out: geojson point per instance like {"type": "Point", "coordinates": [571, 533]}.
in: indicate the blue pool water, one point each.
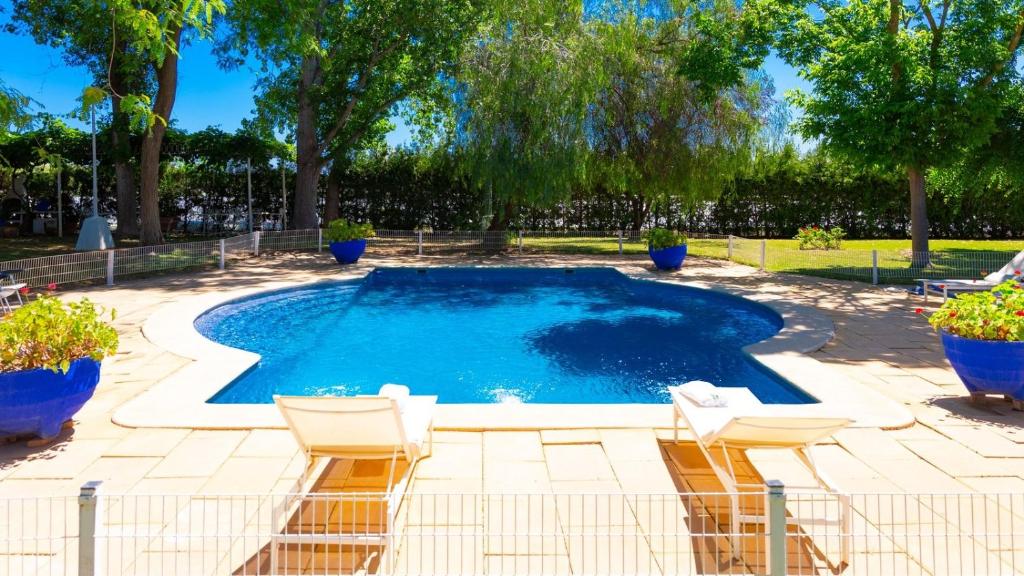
{"type": "Point", "coordinates": [588, 335]}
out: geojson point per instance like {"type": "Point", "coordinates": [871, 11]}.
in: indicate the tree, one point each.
{"type": "Point", "coordinates": [661, 129]}
{"type": "Point", "coordinates": [910, 85]}
{"type": "Point", "coordinates": [83, 32]}
{"type": "Point", "coordinates": [520, 104]}
{"type": "Point", "coordinates": [332, 70]}
{"type": "Point", "coordinates": [153, 31]}
{"type": "Point", "coordinates": [14, 112]}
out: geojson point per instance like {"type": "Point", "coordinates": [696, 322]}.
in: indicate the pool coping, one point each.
{"type": "Point", "coordinates": [179, 400]}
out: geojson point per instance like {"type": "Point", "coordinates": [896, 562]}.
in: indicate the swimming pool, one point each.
{"type": "Point", "coordinates": [486, 335]}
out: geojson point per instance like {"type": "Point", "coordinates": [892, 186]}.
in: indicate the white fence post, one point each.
{"type": "Point", "coordinates": [729, 253]}
{"type": "Point", "coordinates": [764, 254]}
{"type": "Point", "coordinates": [620, 242]}
{"type": "Point", "coordinates": [874, 267]}
{"type": "Point", "coordinates": [88, 524]}
{"type": "Point", "coordinates": [221, 264]}
{"type": "Point", "coordinates": [319, 239]}
{"type": "Point", "coordinates": [419, 242]}
{"type": "Point", "coordinates": [256, 243]}
{"type": "Point", "coordinates": [776, 528]}
{"type": "Point", "coordinates": [110, 268]}
{"type": "Point", "coordinates": [520, 242]}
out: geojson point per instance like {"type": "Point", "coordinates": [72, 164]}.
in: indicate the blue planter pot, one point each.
{"type": "Point", "coordinates": [670, 258]}
{"type": "Point", "coordinates": [987, 366]}
{"type": "Point", "coordinates": [348, 252]}
{"type": "Point", "coordinates": [40, 401]}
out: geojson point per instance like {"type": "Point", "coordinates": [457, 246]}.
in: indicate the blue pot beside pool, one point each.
{"type": "Point", "coordinates": [40, 401]}
{"type": "Point", "coordinates": [987, 366]}
{"type": "Point", "coordinates": [348, 252]}
{"type": "Point", "coordinates": [670, 258]}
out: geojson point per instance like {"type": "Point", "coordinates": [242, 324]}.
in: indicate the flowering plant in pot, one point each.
{"type": "Point", "coordinates": [667, 248]}
{"type": "Point", "coordinates": [983, 338]}
{"type": "Point", "coordinates": [50, 354]}
{"type": "Point", "coordinates": [347, 240]}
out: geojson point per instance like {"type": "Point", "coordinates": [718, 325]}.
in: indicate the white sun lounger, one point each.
{"type": "Point", "coordinates": [389, 426]}
{"type": "Point", "coordinates": [953, 286]}
{"type": "Point", "coordinates": [745, 423]}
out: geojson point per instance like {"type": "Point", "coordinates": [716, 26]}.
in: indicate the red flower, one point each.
{"type": "Point", "coordinates": [1016, 272]}
{"type": "Point", "coordinates": [942, 286]}
{"type": "Point", "coordinates": [918, 310]}
{"type": "Point", "coordinates": [23, 290]}
{"type": "Point", "coordinates": [952, 314]}
{"type": "Point", "coordinates": [51, 286]}
{"type": "Point", "coordinates": [1019, 312]}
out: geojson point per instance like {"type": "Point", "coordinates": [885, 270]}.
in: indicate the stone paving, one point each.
{"type": "Point", "coordinates": [955, 447]}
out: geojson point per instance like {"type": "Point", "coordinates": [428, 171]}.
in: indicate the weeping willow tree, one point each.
{"type": "Point", "coordinates": [556, 96]}
{"type": "Point", "coordinates": [658, 132]}
{"type": "Point", "coordinates": [520, 103]}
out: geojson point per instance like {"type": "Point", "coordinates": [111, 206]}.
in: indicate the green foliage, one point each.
{"type": "Point", "coordinates": [817, 238]}
{"type": "Point", "coordinates": [994, 315]}
{"type": "Point", "coordinates": [555, 97]}
{"type": "Point", "coordinates": [333, 72]}
{"type": "Point", "coordinates": [520, 104]}
{"type": "Point", "coordinates": [659, 238]}
{"type": "Point", "coordinates": [47, 333]}
{"type": "Point", "coordinates": [14, 113]}
{"type": "Point", "coordinates": [341, 230]}
{"type": "Point", "coordinates": [902, 84]}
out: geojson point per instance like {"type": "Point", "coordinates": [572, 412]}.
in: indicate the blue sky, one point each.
{"type": "Point", "coordinates": [207, 95]}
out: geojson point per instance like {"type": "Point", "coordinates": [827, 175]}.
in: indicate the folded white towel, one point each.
{"type": "Point", "coordinates": [703, 394]}
{"type": "Point", "coordinates": [397, 392]}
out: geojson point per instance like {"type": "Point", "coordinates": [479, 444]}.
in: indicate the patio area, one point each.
{"type": "Point", "coordinates": [954, 447]}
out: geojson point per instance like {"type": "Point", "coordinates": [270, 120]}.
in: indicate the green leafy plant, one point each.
{"type": "Point", "coordinates": [659, 238]}
{"type": "Point", "coordinates": [342, 230]}
{"type": "Point", "coordinates": [818, 238]}
{"type": "Point", "coordinates": [994, 315]}
{"type": "Point", "coordinates": [48, 333]}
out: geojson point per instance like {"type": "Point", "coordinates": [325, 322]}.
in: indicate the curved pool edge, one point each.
{"type": "Point", "coordinates": [179, 400]}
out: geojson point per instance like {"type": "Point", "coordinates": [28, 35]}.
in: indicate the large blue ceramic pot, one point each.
{"type": "Point", "coordinates": [348, 252]}
{"type": "Point", "coordinates": [670, 258]}
{"type": "Point", "coordinates": [40, 401]}
{"type": "Point", "coordinates": [989, 366]}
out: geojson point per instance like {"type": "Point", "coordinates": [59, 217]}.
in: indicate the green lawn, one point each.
{"type": "Point", "coordinates": [950, 258]}
{"type": "Point", "coordinates": [37, 246]}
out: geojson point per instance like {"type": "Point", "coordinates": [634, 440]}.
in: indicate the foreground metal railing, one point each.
{"type": "Point", "coordinates": [875, 266]}
{"type": "Point", "coordinates": [480, 533]}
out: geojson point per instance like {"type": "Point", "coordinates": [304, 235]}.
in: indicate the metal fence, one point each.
{"type": "Point", "coordinates": [876, 266]}
{"type": "Point", "coordinates": [539, 533]}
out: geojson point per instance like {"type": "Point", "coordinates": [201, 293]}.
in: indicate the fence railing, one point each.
{"type": "Point", "coordinates": [485, 533]}
{"type": "Point", "coordinates": [875, 266]}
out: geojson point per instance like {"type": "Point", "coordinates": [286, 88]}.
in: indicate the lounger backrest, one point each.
{"type": "Point", "coordinates": [345, 427]}
{"type": "Point", "coordinates": [777, 431]}
{"type": "Point", "coordinates": [1007, 271]}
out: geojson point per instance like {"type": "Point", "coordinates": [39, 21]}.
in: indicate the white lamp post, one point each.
{"type": "Point", "coordinates": [95, 232]}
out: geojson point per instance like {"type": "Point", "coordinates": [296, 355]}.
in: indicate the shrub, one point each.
{"type": "Point", "coordinates": [342, 230]}
{"type": "Point", "coordinates": [994, 315]}
{"type": "Point", "coordinates": [47, 333]}
{"type": "Point", "coordinates": [659, 238]}
{"type": "Point", "coordinates": [817, 238]}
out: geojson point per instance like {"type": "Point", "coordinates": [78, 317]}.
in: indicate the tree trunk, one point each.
{"type": "Point", "coordinates": [918, 216]}
{"type": "Point", "coordinates": [308, 162]}
{"type": "Point", "coordinates": [127, 205]}
{"type": "Point", "coordinates": [331, 209]}
{"type": "Point", "coordinates": [167, 87]}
